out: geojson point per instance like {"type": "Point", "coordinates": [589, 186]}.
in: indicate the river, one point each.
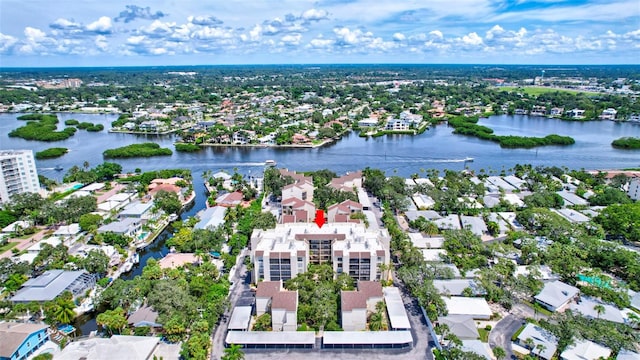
{"type": "Point", "coordinates": [400, 155]}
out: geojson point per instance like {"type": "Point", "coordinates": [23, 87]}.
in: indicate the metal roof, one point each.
{"type": "Point", "coordinates": [395, 308]}
{"type": "Point", "coordinates": [271, 337]}
{"type": "Point", "coordinates": [366, 337]}
{"type": "Point", "coordinates": [211, 217]}
{"type": "Point", "coordinates": [49, 285]}
{"type": "Point", "coordinates": [240, 318]}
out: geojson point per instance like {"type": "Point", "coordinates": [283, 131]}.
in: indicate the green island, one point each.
{"type": "Point", "coordinates": [468, 126]}
{"type": "Point", "coordinates": [187, 147]}
{"type": "Point", "coordinates": [51, 153]}
{"type": "Point", "coordinates": [41, 127]}
{"type": "Point", "coordinates": [626, 143]}
{"type": "Point", "coordinates": [137, 150]}
{"type": "Point", "coordinates": [90, 127]}
{"type": "Point", "coordinates": [71, 122]}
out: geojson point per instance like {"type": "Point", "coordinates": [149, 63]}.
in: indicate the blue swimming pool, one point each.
{"type": "Point", "coordinates": [66, 329]}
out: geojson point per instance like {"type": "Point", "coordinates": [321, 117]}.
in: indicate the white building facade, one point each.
{"type": "Point", "coordinates": [18, 174]}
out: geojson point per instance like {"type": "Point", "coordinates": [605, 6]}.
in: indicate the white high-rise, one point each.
{"type": "Point", "coordinates": [18, 173]}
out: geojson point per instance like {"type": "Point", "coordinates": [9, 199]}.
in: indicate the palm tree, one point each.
{"type": "Point", "coordinates": [599, 308]}
{"type": "Point", "coordinates": [540, 348]}
{"type": "Point", "coordinates": [499, 353]}
{"type": "Point", "coordinates": [529, 343]}
{"type": "Point", "coordinates": [375, 322]}
{"type": "Point", "coordinates": [233, 352]}
{"type": "Point", "coordinates": [63, 311]}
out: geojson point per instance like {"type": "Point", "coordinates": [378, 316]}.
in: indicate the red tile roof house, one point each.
{"type": "Point", "coordinates": [356, 304]}
{"type": "Point", "coordinates": [302, 190]}
{"type": "Point", "coordinates": [347, 182]}
{"type": "Point", "coordinates": [230, 199]}
{"type": "Point", "coordinates": [342, 212]}
{"type": "Point", "coordinates": [300, 139]}
{"type": "Point", "coordinates": [296, 210]}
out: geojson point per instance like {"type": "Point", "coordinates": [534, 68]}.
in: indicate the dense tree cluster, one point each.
{"type": "Point", "coordinates": [137, 150]}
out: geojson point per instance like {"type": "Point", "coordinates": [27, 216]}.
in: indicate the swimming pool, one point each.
{"type": "Point", "coordinates": [66, 329]}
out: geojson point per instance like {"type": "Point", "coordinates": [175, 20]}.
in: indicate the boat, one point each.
{"type": "Point", "coordinates": [128, 265]}
{"type": "Point", "coordinates": [58, 168]}
{"type": "Point", "coordinates": [173, 217]}
{"type": "Point", "coordinates": [468, 159]}
{"type": "Point", "coordinates": [270, 163]}
{"type": "Point", "coordinates": [136, 258]}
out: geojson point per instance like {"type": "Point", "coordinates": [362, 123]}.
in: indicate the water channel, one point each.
{"type": "Point", "coordinates": [401, 155]}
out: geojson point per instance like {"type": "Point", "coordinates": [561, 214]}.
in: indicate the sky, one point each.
{"type": "Point", "coordinates": [47, 33]}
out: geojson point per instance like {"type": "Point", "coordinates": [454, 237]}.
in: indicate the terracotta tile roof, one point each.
{"type": "Point", "coordinates": [267, 289]}
{"type": "Point", "coordinates": [350, 300]}
{"type": "Point", "coordinates": [287, 300]}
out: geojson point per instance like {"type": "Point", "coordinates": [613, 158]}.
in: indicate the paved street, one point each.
{"type": "Point", "coordinates": [505, 328]}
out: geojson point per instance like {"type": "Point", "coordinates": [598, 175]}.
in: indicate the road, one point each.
{"type": "Point", "coordinates": [240, 294]}
{"type": "Point", "coordinates": [501, 334]}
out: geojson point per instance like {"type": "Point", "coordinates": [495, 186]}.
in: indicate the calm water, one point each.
{"type": "Point", "coordinates": [402, 155]}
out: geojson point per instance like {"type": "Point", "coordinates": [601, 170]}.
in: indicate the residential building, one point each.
{"type": "Point", "coordinates": [556, 295]}
{"type": "Point", "coordinates": [476, 308]}
{"type": "Point", "coordinates": [585, 350]}
{"type": "Point", "coordinates": [297, 210]}
{"type": "Point", "coordinates": [457, 287]}
{"type": "Point", "coordinates": [609, 114]}
{"type": "Point", "coordinates": [130, 227]}
{"type": "Point", "coordinates": [230, 199]}
{"type": "Point", "coordinates": [544, 343]}
{"type": "Point", "coordinates": [342, 212]}
{"type": "Point", "coordinates": [282, 304]}
{"type": "Point", "coordinates": [52, 283]}
{"type": "Point", "coordinates": [144, 316]}
{"type": "Point", "coordinates": [176, 260]}
{"type": "Point", "coordinates": [117, 347]}
{"type": "Point", "coordinates": [139, 210]}
{"type": "Point", "coordinates": [464, 327]}
{"type": "Point", "coordinates": [302, 190]}
{"type": "Point", "coordinates": [211, 218]}
{"type": "Point", "coordinates": [20, 340]}
{"type": "Point", "coordinates": [576, 113]}
{"type": "Point", "coordinates": [286, 251]}
{"type": "Point", "coordinates": [355, 304]}
{"type": "Point", "coordinates": [347, 182]}
{"type": "Point", "coordinates": [397, 125]}
{"type": "Point", "coordinates": [18, 174]}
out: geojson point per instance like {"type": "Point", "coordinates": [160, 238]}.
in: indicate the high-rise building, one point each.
{"type": "Point", "coordinates": [288, 250]}
{"type": "Point", "coordinates": [17, 173]}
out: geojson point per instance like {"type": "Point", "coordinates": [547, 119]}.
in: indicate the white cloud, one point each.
{"type": "Point", "coordinates": [101, 26]}
{"type": "Point", "coordinates": [314, 15]}
{"type": "Point", "coordinates": [6, 42]}
{"type": "Point", "coordinates": [205, 20]}
{"type": "Point", "coordinates": [471, 39]}
{"type": "Point", "coordinates": [209, 33]}
{"type": "Point", "coordinates": [158, 29]}
{"type": "Point", "coordinates": [101, 43]}
{"type": "Point", "coordinates": [399, 37]}
{"type": "Point", "coordinates": [64, 24]}
{"type": "Point", "coordinates": [292, 39]}
{"type": "Point", "coordinates": [320, 43]}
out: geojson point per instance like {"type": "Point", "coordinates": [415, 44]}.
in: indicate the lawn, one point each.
{"type": "Point", "coordinates": [537, 90]}
{"type": "Point", "coordinates": [8, 246]}
{"type": "Point", "coordinates": [484, 335]}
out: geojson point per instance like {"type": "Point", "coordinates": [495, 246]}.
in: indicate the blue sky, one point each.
{"type": "Point", "coordinates": [209, 32]}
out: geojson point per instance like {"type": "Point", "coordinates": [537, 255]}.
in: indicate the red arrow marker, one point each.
{"type": "Point", "coordinates": [319, 218]}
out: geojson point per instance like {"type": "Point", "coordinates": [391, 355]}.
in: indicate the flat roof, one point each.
{"type": "Point", "coordinates": [93, 187]}
{"type": "Point", "coordinates": [475, 307]}
{"type": "Point", "coordinates": [366, 337]}
{"type": "Point", "coordinates": [395, 308]}
{"type": "Point", "coordinates": [271, 337]}
{"type": "Point", "coordinates": [240, 318]}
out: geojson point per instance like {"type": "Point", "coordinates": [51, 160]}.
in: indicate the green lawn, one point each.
{"type": "Point", "coordinates": [535, 90]}
{"type": "Point", "coordinates": [484, 335]}
{"type": "Point", "coordinates": [8, 246]}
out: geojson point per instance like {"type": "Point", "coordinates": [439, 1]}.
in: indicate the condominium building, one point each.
{"type": "Point", "coordinates": [289, 249]}
{"type": "Point", "coordinates": [17, 173]}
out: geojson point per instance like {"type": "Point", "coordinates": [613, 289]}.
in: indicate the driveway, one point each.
{"type": "Point", "coordinates": [501, 333]}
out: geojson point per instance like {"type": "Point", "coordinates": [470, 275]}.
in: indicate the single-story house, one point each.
{"type": "Point", "coordinates": [585, 350]}
{"type": "Point", "coordinates": [539, 336]}
{"type": "Point", "coordinates": [52, 283]}
{"type": "Point", "coordinates": [128, 227]}
{"type": "Point", "coordinates": [477, 308]}
{"type": "Point", "coordinates": [144, 316]}
{"type": "Point", "coordinates": [211, 218]}
{"type": "Point", "coordinates": [464, 327]}
{"type": "Point", "coordinates": [117, 347]}
{"type": "Point", "coordinates": [477, 347]}
{"type": "Point", "coordinates": [456, 287]}
{"type": "Point", "coordinates": [556, 295]}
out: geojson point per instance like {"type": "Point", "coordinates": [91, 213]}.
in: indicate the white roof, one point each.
{"type": "Point", "coordinates": [450, 222]}
{"type": "Point", "coordinates": [545, 271]}
{"type": "Point", "coordinates": [53, 241]}
{"type": "Point", "coordinates": [71, 229]}
{"type": "Point", "coordinates": [477, 347]}
{"type": "Point", "coordinates": [433, 255]}
{"type": "Point", "coordinates": [457, 286]}
{"type": "Point", "coordinates": [586, 308]}
{"type": "Point", "coordinates": [271, 337]}
{"type": "Point", "coordinates": [539, 336]}
{"type": "Point", "coordinates": [478, 308]}
{"type": "Point", "coordinates": [117, 347]}
{"type": "Point", "coordinates": [585, 350]}
{"type": "Point", "coordinates": [556, 293]}
{"type": "Point", "coordinates": [572, 215]}
{"type": "Point", "coordinates": [78, 193]}
{"type": "Point", "coordinates": [395, 308]}
{"type": "Point", "coordinates": [366, 337]}
{"type": "Point", "coordinates": [211, 217]}
{"type": "Point", "coordinates": [93, 187]}
{"type": "Point", "coordinates": [423, 242]}
{"type": "Point", "coordinates": [625, 354]}
{"type": "Point", "coordinates": [240, 318]}
{"type": "Point", "coordinates": [475, 223]}
{"type": "Point", "coordinates": [15, 225]}
{"type": "Point", "coordinates": [136, 208]}
{"type": "Point", "coordinates": [572, 198]}
{"type": "Point", "coordinates": [119, 197]}
{"type": "Point", "coordinates": [423, 181]}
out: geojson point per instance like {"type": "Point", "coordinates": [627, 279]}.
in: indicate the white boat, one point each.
{"type": "Point", "coordinates": [136, 258]}
{"type": "Point", "coordinates": [127, 267]}
{"type": "Point", "coordinates": [468, 159]}
{"type": "Point", "coordinates": [173, 217]}
{"type": "Point", "coordinates": [270, 163]}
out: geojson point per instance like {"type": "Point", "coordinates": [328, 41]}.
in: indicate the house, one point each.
{"type": "Point", "coordinates": [155, 188]}
{"type": "Point", "coordinates": [464, 327]}
{"type": "Point", "coordinates": [176, 260]}
{"type": "Point", "coordinates": [609, 114]}
{"type": "Point", "coordinates": [284, 311]}
{"type": "Point", "coordinates": [451, 222]}
{"type": "Point", "coordinates": [426, 242]}
{"type": "Point", "coordinates": [20, 340]}
{"type": "Point", "coordinates": [476, 308]}
{"type": "Point", "coordinates": [347, 182]}
{"type": "Point", "coordinates": [475, 224]}
{"type": "Point", "coordinates": [422, 201]}
{"type": "Point", "coordinates": [116, 347]}
{"type": "Point", "coordinates": [342, 212]}
{"type": "Point", "coordinates": [52, 283]}
{"type": "Point", "coordinates": [264, 293]}
{"type": "Point", "coordinates": [369, 122]}
{"type": "Point", "coordinates": [634, 189]}
{"type": "Point", "coordinates": [477, 347]}
{"type": "Point", "coordinates": [625, 354]}
{"type": "Point", "coordinates": [67, 232]}
{"type": "Point", "coordinates": [130, 227]}
{"type": "Point", "coordinates": [544, 343]}
{"type": "Point", "coordinates": [397, 125]}
{"type": "Point", "coordinates": [576, 113]}
{"type": "Point", "coordinates": [144, 316]}
{"type": "Point", "coordinates": [211, 218]}
{"type": "Point", "coordinates": [355, 304]}
{"type": "Point", "coordinates": [302, 190]}
{"type": "Point", "coordinates": [556, 112]}
{"type": "Point", "coordinates": [556, 295]}
{"type": "Point", "coordinates": [16, 227]}
{"type": "Point", "coordinates": [585, 350]}
{"type": "Point", "coordinates": [457, 287]}
{"type": "Point", "coordinates": [586, 306]}
{"type": "Point", "coordinates": [232, 199]}
{"type": "Point", "coordinates": [297, 210]}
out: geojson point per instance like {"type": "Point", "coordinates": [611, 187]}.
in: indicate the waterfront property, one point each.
{"type": "Point", "coordinates": [52, 283]}
{"type": "Point", "coordinates": [20, 340]}
{"type": "Point", "coordinates": [116, 347]}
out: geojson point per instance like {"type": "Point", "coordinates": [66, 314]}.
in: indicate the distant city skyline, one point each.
{"type": "Point", "coordinates": [38, 33]}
